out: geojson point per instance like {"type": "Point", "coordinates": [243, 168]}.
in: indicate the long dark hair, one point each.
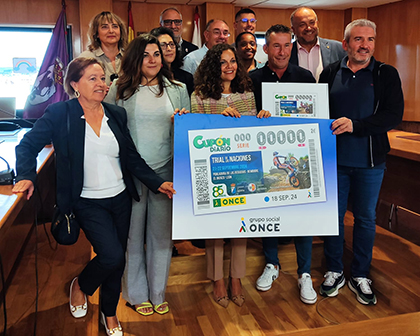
{"type": "Point", "coordinates": [131, 64]}
{"type": "Point", "coordinates": [208, 80]}
{"type": "Point", "coordinates": [178, 62]}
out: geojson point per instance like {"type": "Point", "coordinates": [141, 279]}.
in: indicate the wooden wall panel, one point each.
{"type": "Point", "coordinates": [146, 15]}
{"type": "Point", "coordinates": [330, 21]}
{"type": "Point", "coordinates": [398, 44]}
{"type": "Point", "coordinates": [267, 17]}
{"type": "Point", "coordinates": [224, 12]}
{"type": "Point", "coordinates": [354, 14]}
{"type": "Point", "coordinates": [331, 24]}
{"type": "Point", "coordinates": [41, 12]}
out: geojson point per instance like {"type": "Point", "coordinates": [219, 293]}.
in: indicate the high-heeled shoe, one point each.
{"type": "Point", "coordinates": [117, 331]}
{"type": "Point", "coordinates": [77, 311]}
{"type": "Point", "coordinates": [236, 299]}
{"type": "Point", "coordinates": [221, 300]}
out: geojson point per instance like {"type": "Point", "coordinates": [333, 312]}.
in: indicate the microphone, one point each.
{"type": "Point", "coordinates": [6, 176]}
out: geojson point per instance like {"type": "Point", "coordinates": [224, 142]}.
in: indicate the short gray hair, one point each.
{"type": "Point", "coordinates": [168, 9]}
{"type": "Point", "coordinates": [358, 23]}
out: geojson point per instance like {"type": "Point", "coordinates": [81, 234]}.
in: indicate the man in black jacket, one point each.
{"type": "Point", "coordinates": [171, 18]}
{"type": "Point", "coordinates": [366, 101]}
{"type": "Point", "coordinates": [278, 45]}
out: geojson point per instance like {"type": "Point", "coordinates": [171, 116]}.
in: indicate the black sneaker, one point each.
{"type": "Point", "coordinates": [361, 287]}
{"type": "Point", "coordinates": [332, 283]}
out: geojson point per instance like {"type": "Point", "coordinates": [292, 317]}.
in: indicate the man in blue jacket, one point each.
{"type": "Point", "coordinates": [366, 101]}
{"type": "Point", "coordinates": [310, 51]}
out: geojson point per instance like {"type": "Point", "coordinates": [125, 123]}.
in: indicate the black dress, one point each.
{"type": "Point", "coordinates": [184, 77]}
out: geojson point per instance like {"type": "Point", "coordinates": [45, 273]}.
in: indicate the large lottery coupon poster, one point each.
{"type": "Point", "coordinates": [282, 163]}
{"type": "Point", "coordinates": [243, 177]}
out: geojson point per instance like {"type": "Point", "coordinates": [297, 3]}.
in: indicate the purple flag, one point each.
{"type": "Point", "coordinates": [48, 87]}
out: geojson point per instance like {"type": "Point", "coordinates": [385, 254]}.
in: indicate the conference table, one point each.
{"type": "Point", "coordinates": [17, 214]}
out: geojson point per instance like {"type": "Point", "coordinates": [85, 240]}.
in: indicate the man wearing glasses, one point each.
{"type": "Point", "coordinates": [217, 32]}
{"type": "Point", "coordinates": [246, 21]}
{"type": "Point", "coordinates": [171, 18]}
{"type": "Point", "coordinates": [310, 51]}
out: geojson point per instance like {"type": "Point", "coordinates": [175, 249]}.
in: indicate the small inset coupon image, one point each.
{"type": "Point", "coordinates": [299, 100]}
{"type": "Point", "coordinates": [294, 105]}
{"type": "Point", "coordinates": [255, 167]}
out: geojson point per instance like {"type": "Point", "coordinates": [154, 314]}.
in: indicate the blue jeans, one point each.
{"type": "Point", "coordinates": [303, 247]}
{"type": "Point", "coordinates": [364, 185]}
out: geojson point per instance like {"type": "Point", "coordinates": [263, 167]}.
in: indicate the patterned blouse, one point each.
{"type": "Point", "coordinates": [244, 103]}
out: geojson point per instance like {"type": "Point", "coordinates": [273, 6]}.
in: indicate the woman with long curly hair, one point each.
{"type": "Point", "coordinates": [223, 87]}
{"type": "Point", "coordinates": [151, 98]}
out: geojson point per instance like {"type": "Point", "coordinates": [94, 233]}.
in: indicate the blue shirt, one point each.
{"type": "Point", "coordinates": [193, 59]}
{"type": "Point", "coordinates": [352, 96]}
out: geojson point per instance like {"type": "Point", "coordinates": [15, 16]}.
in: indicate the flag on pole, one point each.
{"type": "Point", "coordinates": [130, 28]}
{"type": "Point", "coordinates": [48, 87]}
{"type": "Point", "coordinates": [196, 32]}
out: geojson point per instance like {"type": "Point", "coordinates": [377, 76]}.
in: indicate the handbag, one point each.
{"type": "Point", "coordinates": [64, 226]}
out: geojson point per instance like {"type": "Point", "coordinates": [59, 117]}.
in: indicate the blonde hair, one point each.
{"type": "Point", "coordinates": [102, 17]}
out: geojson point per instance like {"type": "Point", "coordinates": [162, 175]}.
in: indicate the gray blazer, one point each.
{"type": "Point", "coordinates": [178, 95]}
{"type": "Point", "coordinates": [331, 52]}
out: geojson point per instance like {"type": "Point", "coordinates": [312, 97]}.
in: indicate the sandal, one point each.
{"type": "Point", "coordinates": [161, 312]}
{"type": "Point", "coordinates": [143, 305]}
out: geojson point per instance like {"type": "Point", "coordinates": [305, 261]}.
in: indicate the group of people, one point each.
{"type": "Point", "coordinates": [113, 144]}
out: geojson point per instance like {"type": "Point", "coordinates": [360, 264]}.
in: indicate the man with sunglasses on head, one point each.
{"type": "Point", "coordinates": [171, 18]}
{"type": "Point", "coordinates": [217, 32]}
{"type": "Point", "coordinates": [310, 51]}
{"type": "Point", "coordinates": [246, 21]}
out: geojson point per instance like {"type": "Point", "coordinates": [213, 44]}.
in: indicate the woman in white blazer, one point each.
{"type": "Point", "coordinates": [147, 91]}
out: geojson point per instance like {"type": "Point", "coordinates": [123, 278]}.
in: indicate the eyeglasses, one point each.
{"type": "Point", "coordinates": [218, 32]}
{"type": "Point", "coordinates": [251, 21]}
{"type": "Point", "coordinates": [168, 23]}
{"type": "Point", "coordinates": [165, 45]}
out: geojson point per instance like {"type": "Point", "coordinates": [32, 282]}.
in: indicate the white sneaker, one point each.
{"type": "Point", "coordinates": [266, 279]}
{"type": "Point", "coordinates": [307, 292]}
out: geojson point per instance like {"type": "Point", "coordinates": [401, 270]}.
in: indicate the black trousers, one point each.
{"type": "Point", "coordinates": [105, 223]}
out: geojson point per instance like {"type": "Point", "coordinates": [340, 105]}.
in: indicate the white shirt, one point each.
{"type": "Point", "coordinates": [102, 169]}
{"type": "Point", "coordinates": [151, 127]}
{"type": "Point", "coordinates": [311, 60]}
